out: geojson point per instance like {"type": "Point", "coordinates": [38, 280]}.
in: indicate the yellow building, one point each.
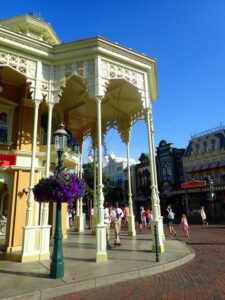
{"type": "Point", "coordinates": [90, 85]}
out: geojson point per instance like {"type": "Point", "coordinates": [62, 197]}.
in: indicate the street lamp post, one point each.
{"type": "Point", "coordinates": [212, 195]}
{"type": "Point", "coordinates": [57, 263]}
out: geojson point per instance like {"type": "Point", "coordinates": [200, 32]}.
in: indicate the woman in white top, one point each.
{"type": "Point", "coordinates": [203, 216]}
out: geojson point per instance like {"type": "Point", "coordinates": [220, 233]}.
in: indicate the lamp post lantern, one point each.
{"type": "Point", "coordinates": [57, 263]}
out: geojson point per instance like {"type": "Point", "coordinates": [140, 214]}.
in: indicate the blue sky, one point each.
{"type": "Point", "coordinates": [186, 37]}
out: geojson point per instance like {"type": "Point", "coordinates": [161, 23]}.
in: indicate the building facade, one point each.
{"type": "Point", "coordinates": [115, 169]}
{"type": "Point", "coordinates": [143, 182]}
{"type": "Point", "coordinates": [169, 170]}
{"type": "Point", "coordinates": [204, 160]}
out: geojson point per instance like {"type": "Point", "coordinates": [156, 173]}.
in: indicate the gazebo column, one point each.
{"type": "Point", "coordinates": [45, 228]}
{"type": "Point", "coordinates": [124, 128]}
{"type": "Point", "coordinates": [95, 218]}
{"type": "Point", "coordinates": [157, 218]}
{"type": "Point", "coordinates": [131, 221]}
{"type": "Point", "coordinates": [80, 217]}
{"type": "Point", "coordinates": [101, 254]}
{"type": "Point", "coordinates": [28, 247]}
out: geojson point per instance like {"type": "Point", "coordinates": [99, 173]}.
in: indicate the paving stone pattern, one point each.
{"type": "Point", "coordinates": [202, 278]}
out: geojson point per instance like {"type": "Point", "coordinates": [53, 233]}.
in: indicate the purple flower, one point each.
{"type": "Point", "coordinates": [61, 187]}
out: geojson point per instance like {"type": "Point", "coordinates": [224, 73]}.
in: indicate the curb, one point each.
{"type": "Point", "coordinates": [70, 288]}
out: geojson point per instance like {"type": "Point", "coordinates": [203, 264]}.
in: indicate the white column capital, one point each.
{"type": "Point", "coordinates": [99, 98]}
{"type": "Point", "coordinates": [50, 105]}
{"type": "Point", "coordinates": [37, 102]}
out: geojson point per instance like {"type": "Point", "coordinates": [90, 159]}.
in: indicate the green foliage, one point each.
{"type": "Point", "coordinates": [112, 192]}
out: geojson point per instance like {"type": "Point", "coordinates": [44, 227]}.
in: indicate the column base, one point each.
{"type": "Point", "coordinates": [160, 249]}
{"type": "Point", "coordinates": [160, 245]}
{"type": "Point", "coordinates": [160, 218]}
{"type": "Point", "coordinates": [132, 233]}
{"type": "Point", "coordinates": [101, 255]}
{"type": "Point", "coordinates": [35, 243]}
{"type": "Point", "coordinates": [131, 226]}
{"type": "Point", "coordinates": [79, 224]}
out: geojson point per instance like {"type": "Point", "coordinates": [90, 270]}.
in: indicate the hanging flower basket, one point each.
{"type": "Point", "coordinates": [61, 187]}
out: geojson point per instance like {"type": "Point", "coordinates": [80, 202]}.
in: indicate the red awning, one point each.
{"type": "Point", "coordinates": [7, 160]}
{"type": "Point", "coordinates": [194, 183]}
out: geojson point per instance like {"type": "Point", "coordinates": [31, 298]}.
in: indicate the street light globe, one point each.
{"type": "Point", "coordinates": [90, 159]}
{"type": "Point", "coordinates": [61, 137]}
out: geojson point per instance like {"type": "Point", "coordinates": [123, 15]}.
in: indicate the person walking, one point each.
{"type": "Point", "coordinates": [117, 219]}
{"type": "Point", "coordinates": [148, 217]}
{"type": "Point", "coordinates": [142, 218]}
{"type": "Point", "coordinates": [203, 216]}
{"type": "Point", "coordinates": [126, 214]}
{"type": "Point", "coordinates": [107, 222]}
{"type": "Point", "coordinates": [184, 224]}
{"type": "Point", "coordinates": [170, 220]}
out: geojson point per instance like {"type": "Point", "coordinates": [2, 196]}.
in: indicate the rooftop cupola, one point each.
{"type": "Point", "coordinates": [34, 26]}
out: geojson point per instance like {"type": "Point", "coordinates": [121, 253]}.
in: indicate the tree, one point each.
{"type": "Point", "coordinates": [112, 192]}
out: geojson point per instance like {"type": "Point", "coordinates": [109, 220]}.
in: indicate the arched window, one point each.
{"type": "Point", "coordinates": [3, 127]}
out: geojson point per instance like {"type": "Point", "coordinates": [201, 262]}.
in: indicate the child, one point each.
{"type": "Point", "coordinates": [184, 224]}
{"type": "Point", "coordinates": [203, 216]}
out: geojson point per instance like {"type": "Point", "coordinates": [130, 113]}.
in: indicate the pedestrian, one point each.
{"type": "Point", "coordinates": [73, 214]}
{"type": "Point", "coordinates": [126, 214]}
{"type": "Point", "coordinates": [70, 213]}
{"type": "Point", "coordinates": [203, 216]}
{"type": "Point", "coordinates": [117, 219]}
{"type": "Point", "coordinates": [170, 220]}
{"type": "Point", "coordinates": [142, 218]}
{"type": "Point", "coordinates": [148, 214]}
{"type": "Point", "coordinates": [184, 224]}
{"type": "Point", "coordinates": [107, 222]}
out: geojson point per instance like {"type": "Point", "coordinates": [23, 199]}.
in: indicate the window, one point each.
{"type": "Point", "coordinates": [3, 127]}
{"type": "Point", "coordinates": [213, 144]}
{"type": "Point", "coordinates": [204, 146]}
{"type": "Point", "coordinates": [7, 108]}
{"type": "Point", "coordinates": [197, 148]}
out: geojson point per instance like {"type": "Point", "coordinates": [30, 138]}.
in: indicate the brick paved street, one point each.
{"type": "Point", "coordinates": [202, 278]}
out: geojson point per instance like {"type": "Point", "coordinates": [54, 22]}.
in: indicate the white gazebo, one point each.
{"type": "Point", "coordinates": [91, 85]}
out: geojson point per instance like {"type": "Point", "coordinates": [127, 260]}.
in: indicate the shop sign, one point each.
{"type": "Point", "coordinates": [194, 183]}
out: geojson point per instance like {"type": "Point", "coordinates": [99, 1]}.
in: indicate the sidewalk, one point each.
{"type": "Point", "coordinates": [132, 260]}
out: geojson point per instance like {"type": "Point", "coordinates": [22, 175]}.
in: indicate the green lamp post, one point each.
{"type": "Point", "coordinates": [57, 263]}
